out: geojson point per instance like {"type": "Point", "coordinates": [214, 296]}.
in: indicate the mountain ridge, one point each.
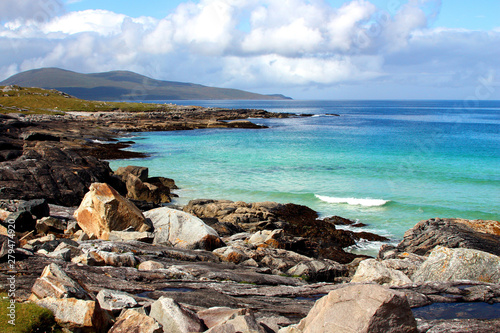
{"type": "Point", "coordinates": [126, 85]}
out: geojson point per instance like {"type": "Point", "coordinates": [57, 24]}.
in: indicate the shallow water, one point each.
{"type": "Point", "coordinates": [388, 164]}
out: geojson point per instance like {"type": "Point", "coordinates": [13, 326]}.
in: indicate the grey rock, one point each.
{"type": "Point", "coordinates": [446, 264]}
{"type": "Point", "coordinates": [174, 317]}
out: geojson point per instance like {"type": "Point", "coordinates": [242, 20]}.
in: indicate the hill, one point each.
{"type": "Point", "coordinates": [125, 85]}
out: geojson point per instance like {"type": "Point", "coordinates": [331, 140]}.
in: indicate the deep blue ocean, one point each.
{"type": "Point", "coordinates": [388, 164]}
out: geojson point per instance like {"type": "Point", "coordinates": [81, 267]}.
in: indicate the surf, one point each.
{"type": "Point", "coordinates": [353, 201]}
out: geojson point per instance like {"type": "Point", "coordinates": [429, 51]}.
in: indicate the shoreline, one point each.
{"type": "Point", "coordinates": [272, 261]}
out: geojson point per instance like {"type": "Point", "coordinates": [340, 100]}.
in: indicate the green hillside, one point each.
{"type": "Point", "coordinates": [124, 85]}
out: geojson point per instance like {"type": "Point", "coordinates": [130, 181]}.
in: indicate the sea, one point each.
{"type": "Point", "coordinates": [387, 164]}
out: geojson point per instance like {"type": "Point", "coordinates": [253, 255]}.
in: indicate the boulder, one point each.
{"type": "Point", "coordinates": [231, 254]}
{"type": "Point", "coordinates": [115, 301]}
{"type": "Point", "coordinates": [138, 171]}
{"type": "Point", "coordinates": [450, 233]}
{"type": "Point", "coordinates": [144, 191]}
{"type": "Point", "coordinates": [183, 230]}
{"type": "Point", "coordinates": [64, 254]}
{"type": "Point", "coordinates": [446, 264]}
{"type": "Point", "coordinates": [38, 136]}
{"type": "Point", "coordinates": [77, 315]}
{"type": "Point", "coordinates": [150, 265]}
{"type": "Point", "coordinates": [174, 317]}
{"type": "Point", "coordinates": [54, 282]}
{"type": "Point", "coordinates": [485, 226]}
{"type": "Point", "coordinates": [359, 308]}
{"type": "Point", "coordinates": [371, 270]}
{"type": "Point", "coordinates": [133, 321]}
{"type": "Point", "coordinates": [38, 207]}
{"type": "Point", "coordinates": [104, 210]}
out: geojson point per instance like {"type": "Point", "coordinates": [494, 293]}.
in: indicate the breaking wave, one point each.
{"type": "Point", "coordinates": [353, 201]}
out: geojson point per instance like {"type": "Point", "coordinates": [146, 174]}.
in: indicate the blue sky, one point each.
{"type": "Point", "coordinates": [307, 49]}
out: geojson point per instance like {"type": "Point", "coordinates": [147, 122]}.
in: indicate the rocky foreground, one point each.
{"type": "Point", "coordinates": [101, 251]}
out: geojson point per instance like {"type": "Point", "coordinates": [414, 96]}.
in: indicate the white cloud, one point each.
{"type": "Point", "coordinates": [255, 44]}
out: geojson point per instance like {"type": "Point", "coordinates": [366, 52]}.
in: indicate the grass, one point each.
{"type": "Point", "coordinates": [43, 101]}
{"type": "Point", "coordinates": [29, 317]}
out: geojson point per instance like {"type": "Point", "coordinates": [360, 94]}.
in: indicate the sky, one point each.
{"type": "Point", "coordinates": [305, 49]}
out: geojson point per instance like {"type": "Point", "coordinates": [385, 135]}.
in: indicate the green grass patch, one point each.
{"type": "Point", "coordinates": [29, 317]}
{"type": "Point", "coordinates": [43, 101]}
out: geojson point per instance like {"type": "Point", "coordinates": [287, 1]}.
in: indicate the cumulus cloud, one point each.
{"type": "Point", "coordinates": [257, 45]}
{"type": "Point", "coordinates": [30, 10]}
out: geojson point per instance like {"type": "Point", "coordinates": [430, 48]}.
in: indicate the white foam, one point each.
{"type": "Point", "coordinates": [353, 201]}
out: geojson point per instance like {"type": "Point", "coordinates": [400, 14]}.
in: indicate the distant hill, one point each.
{"type": "Point", "coordinates": [125, 85]}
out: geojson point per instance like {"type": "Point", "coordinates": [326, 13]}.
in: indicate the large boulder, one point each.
{"type": "Point", "coordinates": [103, 210]}
{"type": "Point", "coordinates": [115, 301]}
{"type": "Point", "coordinates": [450, 233]}
{"type": "Point", "coordinates": [174, 317]}
{"type": "Point", "coordinates": [183, 230]}
{"type": "Point", "coordinates": [446, 264]}
{"type": "Point", "coordinates": [142, 188]}
{"type": "Point", "coordinates": [357, 309]}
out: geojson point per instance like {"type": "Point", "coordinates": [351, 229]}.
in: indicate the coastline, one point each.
{"type": "Point", "coordinates": [277, 263]}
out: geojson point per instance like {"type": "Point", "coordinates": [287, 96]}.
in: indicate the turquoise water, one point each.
{"type": "Point", "coordinates": [388, 164]}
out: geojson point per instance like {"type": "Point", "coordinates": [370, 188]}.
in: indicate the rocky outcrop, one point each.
{"type": "Point", "coordinates": [57, 174]}
{"type": "Point", "coordinates": [450, 233]}
{"type": "Point", "coordinates": [303, 232]}
{"type": "Point", "coordinates": [357, 309]}
{"type": "Point", "coordinates": [446, 264]}
{"type": "Point", "coordinates": [104, 210]}
{"type": "Point", "coordinates": [183, 230]}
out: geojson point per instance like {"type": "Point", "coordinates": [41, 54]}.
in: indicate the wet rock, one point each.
{"type": "Point", "coordinates": [446, 264]}
{"type": "Point", "coordinates": [104, 210]}
{"type": "Point", "coordinates": [359, 308]}
{"type": "Point", "coordinates": [371, 270]}
{"type": "Point", "coordinates": [450, 233]}
{"type": "Point", "coordinates": [182, 230]}
{"type": "Point", "coordinates": [133, 321]}
{"type": "Point", "coordinates": [174, 317]}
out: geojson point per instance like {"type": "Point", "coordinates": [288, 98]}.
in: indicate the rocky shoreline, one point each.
{"type": "Point", "coordinates": [100, 250]}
